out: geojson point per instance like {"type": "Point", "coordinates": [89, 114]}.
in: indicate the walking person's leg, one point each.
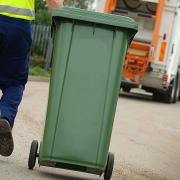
{"type": "Point", "coordinates": [15, 43]}
{"type": "Point", "coordinates": [10, 101]}
{"type": "Point", "coordinates": [8, 105]}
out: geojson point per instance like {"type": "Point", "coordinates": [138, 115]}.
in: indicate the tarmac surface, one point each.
{"type": "Point", "coordinates": [145, 139]}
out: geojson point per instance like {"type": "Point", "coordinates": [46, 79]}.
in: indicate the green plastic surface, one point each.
{"type": "Point", "coordinates": [96, 17]}
{"type": "Point", "coordinates": [88, 59]}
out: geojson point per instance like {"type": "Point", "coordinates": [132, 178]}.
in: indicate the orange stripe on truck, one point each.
{"type": "Point", "coordinates": [157, 26]}
{"type": "Point", "coordinates": [110, 6]}
{"type": "Point", "coordinates": [162, 51]}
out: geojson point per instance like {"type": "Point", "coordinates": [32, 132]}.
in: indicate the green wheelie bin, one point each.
{"type": "Point", "coordinates": [88, 54]}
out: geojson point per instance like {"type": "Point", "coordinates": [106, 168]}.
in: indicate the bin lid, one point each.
{"type": "Point", "coordinates": [96, 17]}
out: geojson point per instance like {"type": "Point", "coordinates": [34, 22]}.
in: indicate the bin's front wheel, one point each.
{"type": "Point", "coordinates": [33, 154]}
{"type": "Point", "coordinates": [109, 167]}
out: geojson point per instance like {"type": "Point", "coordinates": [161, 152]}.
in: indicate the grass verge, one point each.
{"type": "Point", "coordinates": [38, 71]}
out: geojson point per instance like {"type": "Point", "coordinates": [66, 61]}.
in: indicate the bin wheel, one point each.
{"type": "Point", "coordinates": [33, 154]}
{"type": "Point", "coordinates": [109, 167]}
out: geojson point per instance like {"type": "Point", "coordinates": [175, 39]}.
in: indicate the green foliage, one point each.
{"type": "Point", "coordinates": [36, 60]}
{"type": "Point", "coordinates": [43, 17]}
{"type": "Point", "coordinates": [83, 4]}
{"type": "Point", "coordinates": [42, 14]}
{"type": "Point", "coordinates": [37, 71]}
{"type": "Point", "coordinates": [39, 5]}
{"type": "Point", "coordinates": [37, 64]}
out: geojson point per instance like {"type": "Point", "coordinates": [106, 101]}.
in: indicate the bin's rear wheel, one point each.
{"type": "Point", "coordinates": [33, 154]}
{"type": "Point", "coordinates": [109, 167]}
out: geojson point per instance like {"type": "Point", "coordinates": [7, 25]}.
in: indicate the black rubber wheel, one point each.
{"type": "Point", "coordinates": [132, 4]}
{"type": "Point", "coordinates": [179, 82]}
{"type": "Point", "coordinates": [151, 7]}
{"type": "Point", "coordinates": [169, 96]}
{"type": "Point", "coordinates": [126, 89]}
{"type": "Point", "coordinates": [33, 154]}
{"type": "Point", "coordinates": [177, 90]}
{"type": "Point", "coordinates": [109, 167]}
{"type": "Point", "coordinates": [157, 97]}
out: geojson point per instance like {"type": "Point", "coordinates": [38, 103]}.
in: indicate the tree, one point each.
{"type": "Point", "coordinates": [83, 4]}
{"type": "Point", "coordinates": [42, 14]}
{"type": "Point", "coordinates": [44, 17]}
{"type": "Point", "coordinates": [39, 5]}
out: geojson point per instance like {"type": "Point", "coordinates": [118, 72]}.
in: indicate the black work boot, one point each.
{"type": "Point", "coordinates": [6, 138]}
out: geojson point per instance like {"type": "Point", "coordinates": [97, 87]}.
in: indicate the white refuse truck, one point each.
{"type": "Point", "coordinates": [153, 59]}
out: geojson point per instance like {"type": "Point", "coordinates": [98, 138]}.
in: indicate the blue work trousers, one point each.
{"type": "Point", "coordinates": [15, 42]}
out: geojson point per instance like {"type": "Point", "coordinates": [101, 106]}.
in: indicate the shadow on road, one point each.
{"type": "Point", "coordinates": [137, 96]}
{"type": "Point", "coordinates": [62, 177]}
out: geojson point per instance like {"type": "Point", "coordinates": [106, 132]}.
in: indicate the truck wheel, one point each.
{"type": "Point", "coordinates": [126, 89]}
{"type": "Point", "coordinates": [33, 154]}
{"type": "Point", "coordinates": [177, 92]}
{"type": "Point", "coordinates": [151, 7]}
{"type": "Point", "coordinates": [132, 4]}
{"type": "Point", "coordinates": [157, 96]}
{"type": "Point", "coordinates": [179, 83]}
{"type": "Point", "coordinates": [169, 96]}
{"type": "Point", "coordinates": [109, 167]}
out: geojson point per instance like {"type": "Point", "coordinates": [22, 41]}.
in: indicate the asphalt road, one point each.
{"type": "Point", "coordinates": [145, 140]}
